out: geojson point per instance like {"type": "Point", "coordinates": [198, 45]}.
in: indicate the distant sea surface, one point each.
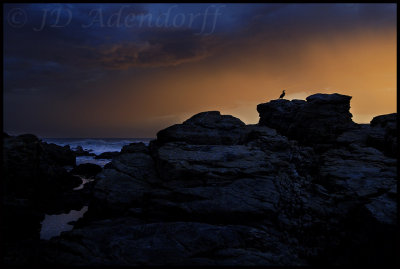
{"type": "Point", "coordinates": [96, 146]}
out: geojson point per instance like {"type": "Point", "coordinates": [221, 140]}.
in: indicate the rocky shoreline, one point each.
{"type": "Point", "coordinates": [306, 186]}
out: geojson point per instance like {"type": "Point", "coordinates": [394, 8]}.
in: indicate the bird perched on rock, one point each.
{"type": "Point", "coordinates": [283, 94]}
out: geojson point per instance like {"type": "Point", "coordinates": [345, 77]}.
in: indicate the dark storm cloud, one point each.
{"type": "Point", "coordinates": [72, 49]}
{"type": "Point", "coordinates": [93, 39]}
{"type": "Point", "coordinates": [284, 21]}
{"type": "Point", "coordinates": [88, 34]}
{"type": "Point", "coordinates": [89, 37]}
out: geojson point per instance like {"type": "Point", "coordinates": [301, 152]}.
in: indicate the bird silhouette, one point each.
{"type": "Point", "coordinates": [283, 94]}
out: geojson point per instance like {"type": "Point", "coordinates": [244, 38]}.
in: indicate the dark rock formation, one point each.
{"type": "Point", "coordinates": [380, 134]}
{"type": "Point", "coordinates": [319, 120]}
{"type": "Point", "coordinates": [34, 181]}
{"type": "Point", "coordinates": [306, 186]}
{"type": "Point", "coordinates": [88, 170]}
{"type": "Point", "coordinates": [32, 168]}
{"type": "Point", "coordinates": [383, 134]}
{"type": "Point", "coordinates": [59, 155]}
{"type": "Point", "coordinates": [135, 148]}
{"type": "Point", "coordinates": [79, 151]}
{"type": "Point", "coordinates": [124, 182]}
{"type": "Point", "coordinates": [107, 155]}
{"type": "Point", "coordinates": [206, 128]}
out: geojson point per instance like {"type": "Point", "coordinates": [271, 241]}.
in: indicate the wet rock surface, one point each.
{"type": "Point", "coordinates": [305, 186]}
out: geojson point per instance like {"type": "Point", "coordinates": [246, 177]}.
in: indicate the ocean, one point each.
{"type": "Point", "coordinates": [96, 146]}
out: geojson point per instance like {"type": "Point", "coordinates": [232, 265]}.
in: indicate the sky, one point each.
{"type": "Point", "coordinates": [130, 70]}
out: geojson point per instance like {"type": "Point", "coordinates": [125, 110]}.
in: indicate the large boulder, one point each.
{"type": "Point", "coordinates": [383, 134]}
{"type": "Point", "coordinates": [138, 165]}
{"type": "Point", "coordinates": [32, 167]}
{"type": "Point", "coordinates": [206, 128]}
{"type": "Point", "coordinates": [387, 120]}
{"type": "Point", "coordinates": [59, 155]}
{"type": "Point", "coordinates": [362, 185]}
{"type": "Point", "coordinates": [79, 151]}
{"type": "Point", "coordinates": [135, 148]}
{"type": "Point", "coordinates": [123, 184]}
{"type": "Point", "coordinates": [107, 155]}
{"type": "Point", "coordinates": [357, 171]}
{"type": "Point", "coordinates": [114, 188]}
{"type": "Point", "coordinates": [319, 120]}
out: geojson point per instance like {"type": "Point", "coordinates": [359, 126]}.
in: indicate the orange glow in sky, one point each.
{"type": "Point", "coordinates": [228, 71]}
